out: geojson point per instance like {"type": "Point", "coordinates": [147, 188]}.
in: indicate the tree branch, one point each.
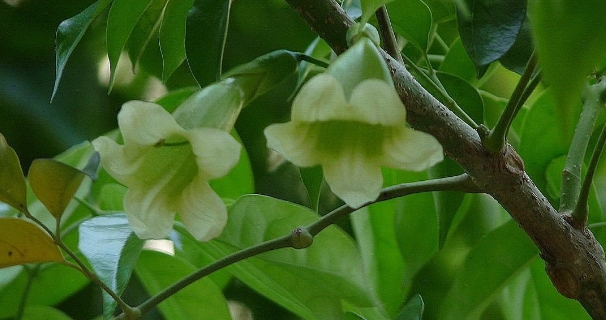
{"type": "Point", "coordinates": [574, 259]}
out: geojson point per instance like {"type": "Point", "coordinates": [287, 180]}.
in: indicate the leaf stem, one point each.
{"type": "Point", "coordinates": [580, 212]}
{"type": "Point", "coordinates": [440, 92]}
{"type": "Point", "coordinates": [387, 35]}
{"type": "Point", "coordinates": [496, 139]}
{"type": "Point", "coordinates": [571, 175]}
{"type": "Point", "coordinates": [317, 62]}
{"type": "Point", "coordinates": [462, 183]}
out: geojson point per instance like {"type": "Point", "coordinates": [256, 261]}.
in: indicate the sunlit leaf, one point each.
{"type": "Point", "coordinates": [24, 242]}
{"type": "Point", "coordinates": [69, 34]}
{"type": "Point", "coordinates": [201, 300]}
{"type": "Point", "coordinates": [54, 183]}
{"type": "Point", "coordinates": [489, 28]}
{"type": "Point", "coordinates": [12, 181]}
{"type": "Point", "coordinates": [112, 249]}
{"type": "Point", "coordinates": [487, 269]}
{"type": "Point", "coordinates": [570, 38]}
{"type": "Point", "coordinates": [122, 20]}
{"type": "Point", "coordinates": [412, 19]}
{"type": "Point", "coordinates": [145, 31]}
{"type": "Point", "coordinates": [207, 24]}
{"type": "Point", "coordinates": [172, 35]}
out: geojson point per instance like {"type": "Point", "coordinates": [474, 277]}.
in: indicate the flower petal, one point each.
{"type": "Point", "coordinates": [216, 151]}
{"type": "Point", "coordinates": [113, 159]}
{"type": "Point", "coordinates": [320, 99]}
{"type": "Point", "coordinates": [202, 210]}
{"type": "Point", "coordinates": [375, 101]}
{"type": "Point", "coordinates": [148, 213]}
{"type": "Point", "coordinates": [412, 150]}
{"type": "Point", "coordinates": [360, 62]}
{"type": "Point", "coordinates": [297, 142]}
{"type": "Point", "coordinates": [353, 177]}
{"type": "Point", "coordinates": [145, 124]}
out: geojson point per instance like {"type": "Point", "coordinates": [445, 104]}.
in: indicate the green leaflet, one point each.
{"type": "Point", "coordinates": [412, 19]}
{"type": "Point", "coordinates": [309, 282]}
{"type": "Point", "coordinates": [69, 34]}
{"type": "Point", "coordinates": [560, 30]}
{"type": "Point", "coordinates": [122, 20]}
{"type": "Point", "coordinates": [172, 35]}
{"type": "Point", "coordinates": [487, 269]}
{"type": "Point", "coordinates": [201, 300]}
{"type": "Point", "coordinates": [489, 28]}
{"type": "Point", "coordinates": [207, 24]}
{"type": "Point", "coordinates": [112, 249]}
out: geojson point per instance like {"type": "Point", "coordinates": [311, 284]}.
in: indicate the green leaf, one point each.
{"type": "Point", "coordinates": [488, 28]}
{"type": "Point", "coordinates": [207, 24]}
{"type": "Point", "coordinates": [369, 7]}
{"type": "Point", "coordinates": [54, 184]}
{"type": "Point", "coordinates": [492, 264]}
{"type": "Point", "coordinates": [309, 282]}
{"type": "Point", "coordinates": [376, 235]}
{"type": "Point", "coordinates": [464, 94]}
{"type": "Point", "coordinates": [516, 58]}
{"type": "Point", "coordinates": [12, 181]}
{"type": "Point", "coordinates": [552, 305]}
{"type": "Point", "coordinates": [313, 180]}
{"type": "Point", "coordinates": [112, 249]}
{"type": "Point", "coordinates": [145, 31]}
{"type": "Point", "coordinates": [447, 203]}
{"type": "Point", "coordinates": [122, 20]}
{"type": "Point", "coordinates": [172, 35]}
{"type": "Point", "coordinates": [201, 300]}
{"type": "Point", "coordinates": [545, 136]}
{"type": "Point", "coordinates": [69, 34]}
{"type": "Point", "coordinates": [52, 284]}
{"type": "Point", "coordinates": [457, 62]}
{"type": "Point", "coordinates": [570, 38]}
{"type": "Point", "coordinates": [413, 309]}
{"type": "Point", "coordinates": [23, 242]}
{"type": "Point", "coordinates": [415, 213]}
{"type": "Point", "coordinates": [412, 19]}
{"type": "Point", "coordinates": [265, 72]}
{"type": "Point", "coordinates": [41, 312]}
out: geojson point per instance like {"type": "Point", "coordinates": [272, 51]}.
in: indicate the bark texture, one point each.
{"type": "Point", "coordinates": [574, 260]}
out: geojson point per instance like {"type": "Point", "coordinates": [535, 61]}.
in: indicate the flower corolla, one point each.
{"type": "Point", "coordinates": [166, 169]}
{"type": "Point", "coordinates": [351, 121]}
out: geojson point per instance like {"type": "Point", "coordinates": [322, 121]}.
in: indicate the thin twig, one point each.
{"type": "Point", "coordinates": [387, 35]}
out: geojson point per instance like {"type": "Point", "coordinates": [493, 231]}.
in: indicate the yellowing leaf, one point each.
{"type": "Point", "coordinates": [54, 183]}
{"type": "Point", "coordinates": [23, 242]}
{"type": "Point", "coordinates": [12, 182]}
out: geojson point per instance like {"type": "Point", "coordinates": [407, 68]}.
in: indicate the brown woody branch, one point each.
{"type": "Point", "coordinates": [574, 260]}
